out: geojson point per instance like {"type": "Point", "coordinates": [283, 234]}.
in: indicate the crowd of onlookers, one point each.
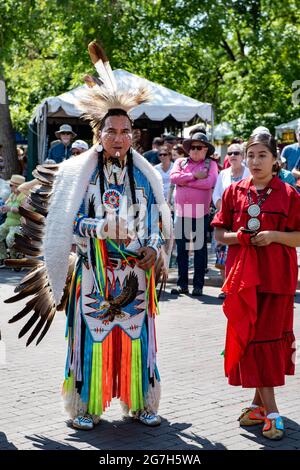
{"type": "Point", "coordinates": [194, 180]}
{"type": "Point", "coordinates": [13, 193]}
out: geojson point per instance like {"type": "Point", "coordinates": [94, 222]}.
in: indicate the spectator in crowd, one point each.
{"type": "Point", "coordinates": [292, 152]}
{"type": "Point", "coordinates": [4, 194]}
{"type": "Point", "coordinates": [178, 152]}
{"type": "Point", "coordinates": [285, 175]}
{"type": "Point", "coordinates": [78, 147]}
{"type": "Point", "coordinates": [234, 173]}
{"type": "Point", "coordinates": [11, 226]}
{"type": "Point", "coordinates": [22, 159]}
{"type": "Point", "coordinates": [239, 141]}
{"type": "Point", "coordinates": [216, 158]}
{"type": "Point", "coordinates": [62, 151]}
{"type": "Point", "coordinates": [259, 130]}
{"type": "Point", "coordinates": [195, 178]}
{"type": "Point", "coordinates": [170, 140]}
{"type": "Point", "coordinates": [137, 142]}
{"type": "Point", "coordinates": [164, 168]}
{"type": "Point", "coordinates": [20, 154]}
{"type": "Point", "coordinates": [235, 141]}
{"type": "Point", "coordinates": [279, 167]}
{"type": "Point", "coordinates": [296, 174]}
{"type": "Point", "coordinates": [152, 155]}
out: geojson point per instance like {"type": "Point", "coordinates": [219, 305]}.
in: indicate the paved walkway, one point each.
{"type": "Point", "coordinates": [199, 409]}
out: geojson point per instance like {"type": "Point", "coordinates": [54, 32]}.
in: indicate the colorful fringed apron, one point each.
{"type": "Point", "coordinates": [111, 329]}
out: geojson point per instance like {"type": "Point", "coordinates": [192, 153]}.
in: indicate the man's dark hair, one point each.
{"type": "Point", "coordinates": [265, 139]}
{"type": "Point", "coordinates": [169, 138]}
{"type": "Point", "coordinates": [236, 140]}
{"type": "Point", "coordinates": [158, 141]}
{"type": "Point", "coordinates": [115, 112]}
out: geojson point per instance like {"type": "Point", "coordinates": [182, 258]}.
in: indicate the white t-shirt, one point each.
{"type": "Point", "coordinates": [224, 180]}
{"type": "Point", "coordinates": [165, 177]}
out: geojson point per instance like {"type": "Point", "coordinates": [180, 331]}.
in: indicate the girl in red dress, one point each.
{"type": "Point", "coordinates": [260, 221]}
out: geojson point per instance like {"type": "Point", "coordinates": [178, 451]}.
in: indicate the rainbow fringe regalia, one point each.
{"type": "Point", "coordinates": [111, 348]}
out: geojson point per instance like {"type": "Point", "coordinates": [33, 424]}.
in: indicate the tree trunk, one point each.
{"type": "Point", "coordinates": [7, 136]}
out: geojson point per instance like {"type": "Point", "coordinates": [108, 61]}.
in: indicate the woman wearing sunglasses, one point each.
{"type": "Point", "coordinates": [164, 167]}
{"type": "Point", "coordinates": [194, 177]}
{"type": "Point", "coordinates": [234, 173]}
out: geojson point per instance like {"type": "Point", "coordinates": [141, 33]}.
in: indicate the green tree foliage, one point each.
{"type": "Point", "coordinates": [240, 55]}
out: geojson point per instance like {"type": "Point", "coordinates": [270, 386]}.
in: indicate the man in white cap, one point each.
{"type": "Point", "coordinates": [11, 226]}
{"type": "Point", "coordinates": [62, 150]}
{"type": "Point", "coordinates": [78, 147]}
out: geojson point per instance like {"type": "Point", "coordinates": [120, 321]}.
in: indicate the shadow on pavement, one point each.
{"type": "Point", "coordinates": [5, 444]}
{"type": "Point", "coordinates": [291, 438]}
{"type": "Point", "coordinates": [204, 299]}
{"type": "Point", "coordinates": [207, 299]}
{"type": "Point", "coordinates": [9, 276]}
{"type": "Point", "coordinates": [128, 435]}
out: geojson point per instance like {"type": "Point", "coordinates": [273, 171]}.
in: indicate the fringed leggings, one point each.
{"type": "Point", "coordinates": [117, 367]}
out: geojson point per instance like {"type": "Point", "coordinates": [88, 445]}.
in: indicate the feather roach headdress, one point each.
{"type": "Point", "coordinates": [105, 94]}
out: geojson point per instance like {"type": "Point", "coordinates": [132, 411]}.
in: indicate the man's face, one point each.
{"type": "Point", "coordinates": [198, 150]}
{"type": "Point", "coordinates": [116, 136]}
{"type": "Point", "coordinates": [170, 144]}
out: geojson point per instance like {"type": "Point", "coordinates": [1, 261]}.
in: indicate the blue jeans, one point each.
{"type": "Point", "coordinates": [183, 228]}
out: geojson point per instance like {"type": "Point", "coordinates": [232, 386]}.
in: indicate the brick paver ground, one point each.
{"type": "Point", "coordinates": [199, 409]}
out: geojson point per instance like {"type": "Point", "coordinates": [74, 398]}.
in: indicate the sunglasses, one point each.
{"type": "Point", "coordinates": [233, 153]}
{"type": "Point", "coordinates": [198, 147]}
{"type": "Point", "coordinates": [163, 154]}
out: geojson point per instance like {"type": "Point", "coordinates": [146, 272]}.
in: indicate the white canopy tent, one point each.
{"type": "Point", "coordinates": [165, 103]}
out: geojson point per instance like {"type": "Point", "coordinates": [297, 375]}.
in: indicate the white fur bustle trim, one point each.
{"type": "Point", "coordinates": [69, 188]}
{"type": "Point", "coordinates": [74, 406]}
{"type": "Point", "coordinates": [152, 398]}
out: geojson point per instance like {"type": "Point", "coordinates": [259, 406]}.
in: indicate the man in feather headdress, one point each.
{"type": "Point", "coordinates": [112, 203]}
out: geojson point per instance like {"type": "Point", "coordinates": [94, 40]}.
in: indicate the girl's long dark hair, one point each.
{"type": "Point", "coordinates": [265, 139]}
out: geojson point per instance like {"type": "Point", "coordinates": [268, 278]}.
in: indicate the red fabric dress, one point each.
{"type": "Point", "coordinates": [260, 342]}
